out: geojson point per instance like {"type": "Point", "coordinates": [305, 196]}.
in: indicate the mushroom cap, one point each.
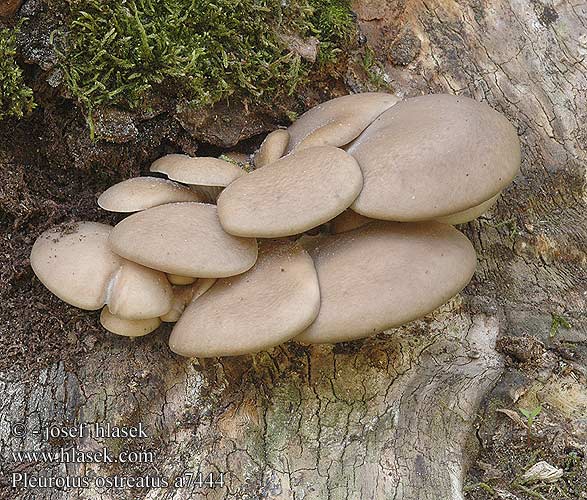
{"type": "Point", "coordinates": [176, 279]}
{"type": "Point", "coordinates": [137, 292]}
{"type": "Point", "coordinates": [139, 193]}
{"type": "Point", "coordinates": [272, 148]}
{"type": "Point", "coordinates": [338, 121]}
{"type": "Point", "coordinates": [183, 295]}
{"type": "Point", "coordinates": [291, 195]}
{"type": "Point", "coordinates": [385, 274]}
{"type": "Point", "coordinates": [185, 239]}
{"type": "Point", "coordinates": [347, 221]}
{"type": "Point", "coordinates": [470, 214]}
{"type": "Point", "coordinates": [201, 171]}
{"type": "Point", "coordinates": [432, 156]}
{"type": "Point", "coordinates": [127, 327]}
{"type": "Point", "coordinates": [75, 263]}
{"type": "Point", "coordinates": [278, 298]}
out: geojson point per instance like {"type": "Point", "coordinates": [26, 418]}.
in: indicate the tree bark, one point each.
{"type": "Point", "coordinates": [392, 416]}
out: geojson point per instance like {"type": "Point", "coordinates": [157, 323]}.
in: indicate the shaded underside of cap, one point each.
{"type": "Point", "coordinates": [266, 306]}
{"type": "Point", "coordinates": [385, 274]}
{"type": "Point", "coordinates": [185, 239]}
{"type": "Point", "coordinates": [294, 194]}
{"type": "Point", "coordinates": [338, 121]}
{"type": "Point", "coordinates": [141, 193]}
{"type": "Point", "coordinates": [470, 214]}
{"type": "Point", "coordinates": [200, 171]}
{"type": "Point", "coordinates": [433, 156]}
{"type": "Point", "coordinates": [75, 263]}
{"type": "Point", "coordinates": [127, 327]}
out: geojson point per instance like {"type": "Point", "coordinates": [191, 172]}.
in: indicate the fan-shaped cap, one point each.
{"type": "Point", "coordinates": [278, 298]}
{"type": "Point", "coordinates": [201, 171]}
{"type": "Point", "coordinates": [338, 121]}
{"type": "Point", "coordinates": [272, 148]}
{"type": "Point", "coordinates": [432, 156]}
{"type": "Point", "coordinates": [137, 292]}
{"type": "Point", "coordinates": [140, 193]}
{"type": "Point", "coordinates": [75, 263]}
{"type": "Point", "coordinates": [185, 239]}
{"type": "Point", "coordinates": [176, 279]}
{"type": "Point", "coordinates": [385, 274]}
{"type": "Point", "coordinates": [291, 195]}
{"type": "Point", "coordinates": [127, 327]}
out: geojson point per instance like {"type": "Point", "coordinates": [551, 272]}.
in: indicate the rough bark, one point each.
{"type": "Point", "coordinates": [393, 416]}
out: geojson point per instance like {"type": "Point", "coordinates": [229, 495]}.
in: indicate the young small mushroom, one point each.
{"type": "Point", "coordinates": [385, 274]}
{"type": "Point", "coordinates": [176, 279]}
{"type": "Point", "coordinates": [207, 176]}
{"type": "Point", "coordinates": [184, 239]}
{"type": "Point", "coordinates": [272, 148]}
{"type": "Point", "coordinates": [137, 292]}
{"type": "Point", "coordinates": [338, 121]}
{"type": "Point", "coordinates": [75, 263]}
{"type": "Point", "coordinates": [127, 327]}
{"type": "Point", "coordinates": [291, 195]}
{"type": "Point", "coordinates": [140, 193]}
{"type": "Point", "coordinates": [434, 156]}
{"type": "Point", "coordinates": [278, 298]}
{"type": "Point", "coordinates": [184, 295]}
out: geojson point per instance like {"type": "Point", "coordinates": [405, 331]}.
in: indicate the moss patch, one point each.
{"type": "Point", "coordinates": [114, 53]}
{"type": "Point", "coordinates": [16, 99]}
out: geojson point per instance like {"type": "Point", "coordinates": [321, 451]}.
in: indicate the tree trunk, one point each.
{"type": "Point", "coordinates": [394, 416]}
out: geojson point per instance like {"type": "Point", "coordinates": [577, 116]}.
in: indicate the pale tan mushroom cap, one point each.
{"type": "Point", "coordinates": [470, 214]}
{"type": "Point", "coordinates": [298, 192]}
{"type": "Point", "coordinates": [141, 193]}
{"type": "Point", "coordinates": [432, 156]}
{"type": "Point", "coordinates": [266, 306]}
{"type": "Point", "coordinates": [201, 171]}
{"type": "Point", "coordinates": [127, 327]}
{"type": "Point", "coordinates": [75, 263]}
{"type": "Point", "coordinates": [272, 148]}
{"type": "Point", "coordinates": [137, 292]}
{"type": "Point", "coordinates": [338, 121]}
{"type": "Point", "coordinates": [385, 274]}
{"type": "Point", "coordinates": [185, 239]}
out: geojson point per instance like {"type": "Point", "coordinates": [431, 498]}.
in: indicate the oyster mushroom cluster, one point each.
{"type": "Point", "coordinates": [234, 258]}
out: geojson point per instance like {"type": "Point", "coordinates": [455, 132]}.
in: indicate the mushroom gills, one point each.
{"type": "Point", "coordinates": [127, 327]}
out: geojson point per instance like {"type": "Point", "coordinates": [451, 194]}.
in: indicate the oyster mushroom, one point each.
{"type": "Point", "coordinates": [278, 298]}
{"type": "Point", "coordinates": [385, 274]}
{"type": "Point", "coordinates": [434, 156]}
{"type": "Point", "coordinates": [176, 279]}
{"type": "Point", "coordinates": [183, 295]}
{"type": "Point", "coordinates": [338, 121]}
{"type": "Point", "coordinates": [127, 327]}
{"type": "Point", "coordinates": [75, 263]}
{"type": "Point", "coordinates": [140, 193]}
{"type": "Point", "coordinates": [137, 292]}
{"type": "Point", "coordinates": [272, 148]}
{"type": "Point", "coordinates": [291, 195]}
{"type": "Point", "coordinates": [206, 175]}
{"type": "Point", "coordinates": [184, 239]}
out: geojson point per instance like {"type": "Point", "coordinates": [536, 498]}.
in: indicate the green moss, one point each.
{"type": "Point", "coordinates": [16, 99]}
{"type": "Point", "coordinates": [115, 52]}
